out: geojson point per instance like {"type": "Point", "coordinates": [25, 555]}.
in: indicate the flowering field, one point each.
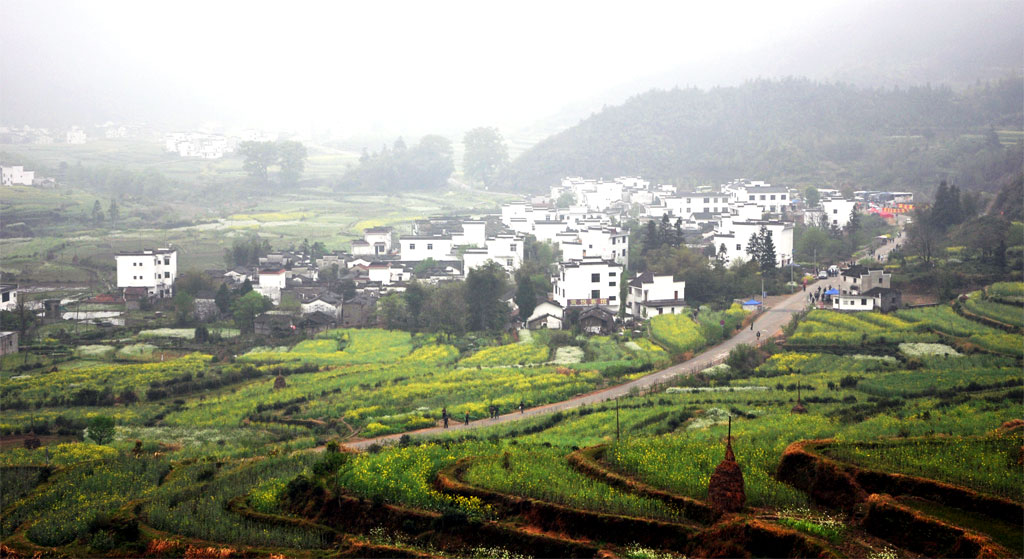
{"type": "Point", "coordinates": [985, 464]}
{"type": "Point", "coordinates": [677, 332]}
{"type": "Point", "coordinates": [193, 500]}
{"type": "Point", "coordinates": [944, 319]}
{"type": "Point", "coordinates": [1010, 291]}
{"type": "Point", "coordinates": [116, 377]}
{"type": "Point", "coordinates": [788, 362]}
{"type": "Point", "coordinates": [1007, 314]}
{"type": "Point", "coordinates": [405, 476]}
{"type": "Point", "coordinates": [360, 346]}
{"type": "Point", "coordinates": [511, 354]}
{"type": "Point", "coordinates": [694, 454]}
{"type": "Point", "coordinates": [62, 510]}
{"type": "Point", "coordinates": [543, 473]}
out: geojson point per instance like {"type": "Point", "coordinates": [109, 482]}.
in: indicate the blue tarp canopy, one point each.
{"type": "Point", "coordinates": [751, 302]}
{"type": "Point", "coordinates": [832, 291]}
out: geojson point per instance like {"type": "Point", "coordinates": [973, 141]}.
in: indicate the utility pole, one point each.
{"type": "Point", "coordinates": [616, 419]}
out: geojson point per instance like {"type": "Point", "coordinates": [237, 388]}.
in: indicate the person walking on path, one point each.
{"type": "Point", "coordinates": [444, 416]}
{"type": "Point", "coordinates": [758, 335]}
{"type": "Point", "coordinates": [467, 418]}
{"type": "Point", "coordinates": [521, 406]}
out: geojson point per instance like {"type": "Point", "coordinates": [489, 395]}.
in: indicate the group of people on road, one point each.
{"type": "Point", "coordinates": [492, 409]}
{"type": "Point", "coordinates": [817, 297]}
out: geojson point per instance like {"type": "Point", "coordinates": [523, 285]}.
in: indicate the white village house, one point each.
{"type": "Point", "coordinates": [588, 282]}
{"type": "Point", "coordinates": [8, 297]}
{"type": "Point", "coordinates": [153, 270]}
{"type": "Point", "coordinates": [862, 289]}
{"type": "Point", "coordinates": [650, 295]}
{"type": "Point", "coordinates": [16, 175]}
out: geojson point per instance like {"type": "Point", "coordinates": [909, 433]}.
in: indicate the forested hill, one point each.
{"type": "Point", "coordinates": [793, 131]}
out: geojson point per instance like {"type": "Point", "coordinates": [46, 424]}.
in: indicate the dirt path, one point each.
{"type": "Point", "coordinates": [777, 315]}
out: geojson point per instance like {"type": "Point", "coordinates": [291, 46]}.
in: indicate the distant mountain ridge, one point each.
{"type": "Point", "coordinates": [791, 130]}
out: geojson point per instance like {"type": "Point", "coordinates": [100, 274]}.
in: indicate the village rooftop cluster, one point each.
{"type": "Point", "coordinates": [582, 218]}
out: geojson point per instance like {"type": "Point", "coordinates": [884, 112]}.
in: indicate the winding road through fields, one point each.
{"type": "Point", "coordinates": [778, 311]}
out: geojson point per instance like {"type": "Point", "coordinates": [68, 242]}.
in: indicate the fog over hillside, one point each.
{"type": "Point", "coordinates": [409, 69]}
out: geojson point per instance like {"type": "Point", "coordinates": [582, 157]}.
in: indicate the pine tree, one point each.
{"type": "Point", "coordinates": [767, 257]}
{"type": "Point", "coordinates": [525, 297]}
{"type": "Point", "coordinates": [650, 237]}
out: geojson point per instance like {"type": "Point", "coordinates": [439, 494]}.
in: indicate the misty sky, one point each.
{"type": "Point", "coordinates": [411, 67]}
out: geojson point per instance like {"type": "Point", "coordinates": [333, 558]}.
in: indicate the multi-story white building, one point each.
{"type": "Point", "coordinates": [507, 250]}
{"type": "Point", "coordinates": [837, 211]}
{"type": "Point", "coordinates": [16, 175]}
{"type": "Point", "coordinates": [152, 269]}
{"type": "Point", "coordinates": [587, 282]}
{"type": "Point", "coordinates": [651, 295]}
{"type": "Point", "coordinates": [418, 248]}
{"type": "Point", "coordinates": [858, 279]}
{"type": "Point", "coordinates": [76, 136]}
{"type": "Point", "coordinates": [473, 234]}
{"type": "Point", "coordinates": [378, 241]}
{"type": "Point", "coordinates": [735, 236]}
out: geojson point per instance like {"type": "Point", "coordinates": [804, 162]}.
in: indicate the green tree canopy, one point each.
{"type": "Point", "coordinates": [292, 159]}
{"type": "Point", "coordinates": [259, 156]}
{"type": "Point", "coordinates": [484, 287]}
{"type": "Point", "coordinates": [486, 154]}
{"type": "Point", "coordinates": [101, 429]}
{"type": "Point", "coordinates": [247, 307]}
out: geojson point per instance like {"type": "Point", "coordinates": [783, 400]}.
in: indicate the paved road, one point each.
{"type": "Point", "coordinates": [777, 315]}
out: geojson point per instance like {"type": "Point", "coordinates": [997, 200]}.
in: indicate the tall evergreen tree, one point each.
{"type": "Point", "coordinates": [526, 296]}
{"type": "Point", "coordinates": [650, 237]}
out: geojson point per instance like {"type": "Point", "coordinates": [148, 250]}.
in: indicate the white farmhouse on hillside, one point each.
{"type": "Point", "coordinates": [588, 282]}
{"type": "Point", "coordinates": [506, 249]}
{"type": "Point", "coordinates": [837, 211]}
{"type": "Point", "coordinates": [419, 248]}
{"type": "Point", "coordinates": [861, 289]}
{"type": "Point", "coordinates": [651, 295]}
{"type": "Point", "coordinates": [16, 175]}
{"type": "Point", "coordinates": [153, 269]}
{"type": "Point", "coordinates": [735, 236]}
{"type": "Point", "coordinates": [8, 297]}
{"type": "Point", "coordinates": [271, 283]}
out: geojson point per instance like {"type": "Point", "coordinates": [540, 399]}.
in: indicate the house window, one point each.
{"type": "Point", "coordinates": [612, 298]}
{"type": "Point", "coordinates": [167, 274]}
{"type": "Point", "coordinates": [771, 208]}
{"type": "Point", "coordinates": [612, 274]}
{"type": "Point", "coordinates": [835, 211]}
{"type": "Point", "coordinates": [751, 196]}
{"type": "Point", "coordinates": [167, 261]}
{"type": "Point", "coordinates": [879, 280]}
{"type": "Point", "coordinates": [430, 246]}
{"type": "Point", "coordinates": [739, 247]}
{"type": "Point", "coordinates": [782, 196]}
{"type": "Point", "coordinates": [594, 278]}
{"type": "Point", "coordinates": [512, 247]}
{"type": "Point", "coordinates": [762, 196]}
{"type": "Point", "coordinates": [864, 302]}
{"type": "Point", "coordinates": [706, 200]}
{"type": "Point", "coordinates": [508, 262]}
{"type": "Point", "coordinates": [772, 197]}
{"type": "Point", "coordinates": [611, 284]}
{"type": "Point", "coordinates": [412, 246]}
{"type": "Point", "coordinates": [6, 297]}
{"type": "Point", "coordinates": [595, 294]}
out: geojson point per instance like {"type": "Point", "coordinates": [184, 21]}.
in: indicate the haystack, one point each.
{"type": "Point", "coordinates": [279, 382]}
{"type": "Point", "coordinates": [725, 490]}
